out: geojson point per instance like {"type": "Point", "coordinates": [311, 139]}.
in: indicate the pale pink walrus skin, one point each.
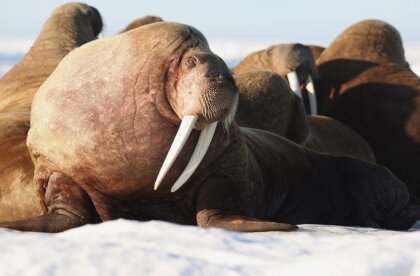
{"type": "Point", "coordinates": [103, 122]}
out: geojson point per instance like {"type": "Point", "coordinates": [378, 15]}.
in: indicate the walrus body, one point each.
{"type": "Point", "coordinates": [366, 84]}
{"type": "Point", "coordinates": [111, 133]}
{"type": "Point", "coordinates": [266, 102]}
{"type": "Point", "coordinates": [68, 27]}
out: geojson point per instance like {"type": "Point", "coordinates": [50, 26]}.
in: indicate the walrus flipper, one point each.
{"type": "Point", "coordinates": [50, 223]}
{"type": "Point", "coordinates": [67, 204]}
{"type": "Point", "coordinates": [220, 204]}
{"type": "Point", "coordinates": [216, 218]}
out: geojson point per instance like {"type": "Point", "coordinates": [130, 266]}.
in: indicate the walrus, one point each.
{"type": "Point", "coordinates": [294, 62]}
{"type": "Point", "coordinates": [148, 19]}
{"type": "Point", "coordinates": [366, 84]}
{"type": "Point", "coordinates": [69, 26]}
{"type": "Point", "coordinates": [112, 127]}
{"type": "Point", "coordinates": [266, 102]}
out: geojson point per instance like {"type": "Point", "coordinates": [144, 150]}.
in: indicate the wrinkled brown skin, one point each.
{"type": "Point", "coordinates": [111, 133]}
{"type": "Point", "coordinates": [148, 19]}
{"type": "Point", "coordinates": [266, 102]}
{"type": "Point", "coordinates": [69, 26]}
{"type": "Point", "coordinates": [366, 84]}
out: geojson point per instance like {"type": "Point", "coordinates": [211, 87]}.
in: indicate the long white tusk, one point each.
{"type": "Point", "coordinates": [200, 150]}
{"type": "Point", "coordinates": [311, 95]}
{"type": "Point", "coordinates": [181, 137]}
{"type": "Point", "coordinates": [294, 83]}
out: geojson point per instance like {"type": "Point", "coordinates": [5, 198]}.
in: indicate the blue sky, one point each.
{"type": "Point", "coordinates": [283, 20]}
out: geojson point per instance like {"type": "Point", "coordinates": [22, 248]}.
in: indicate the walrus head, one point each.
{"type": "Point", "coordinates": [368, 40]}
{"type": "Point", "coordinates": [82, 15]}
{"type": "Point", "coordinates": [293, 61]}
{"type": "Point", "coordinates": [202, 93]}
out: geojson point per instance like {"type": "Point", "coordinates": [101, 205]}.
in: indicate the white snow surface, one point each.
{"type": "Point", "coordinates": [123, 247]}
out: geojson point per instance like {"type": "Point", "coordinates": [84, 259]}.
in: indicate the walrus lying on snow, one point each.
{"type": "Point", "coordinates": [266, 102]}
{"type": "Point", "coordinates": [68, 27]}
{"type": "Point", "coordinates": [112, 126]}
{"type": "Point", "coordinates": [294, 62]}
{"type": "Point", "coordinates": [366, 83]}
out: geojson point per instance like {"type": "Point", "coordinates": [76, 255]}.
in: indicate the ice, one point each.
{"type": "Point", "coordinates": [123, 247]}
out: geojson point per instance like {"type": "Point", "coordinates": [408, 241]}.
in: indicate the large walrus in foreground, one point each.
{"type": "Point", "coordinates": [100, 133]}
{"type": "Point", "coordinates": [69, 26]}
{"type": "Point", "coordinates": [266, 102]}
{"type": "Point", "coordinates": [366, 83]}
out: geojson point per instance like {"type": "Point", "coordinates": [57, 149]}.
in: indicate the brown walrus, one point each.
{"type": "Point", "coordinates": [266, 102]}
{"type": "Point", "coordinates": [68, 27]}
{"type": "Point", "coordinates": [112, 127]}
{"type": "Point", "coordinates": [294, 62]}
{"type": "Point", "coordinates": [148, 19]}
{"type": "Point", "coordinates": [366, 84]}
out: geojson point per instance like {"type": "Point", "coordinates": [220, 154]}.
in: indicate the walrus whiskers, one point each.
{"type": "Point", "coordinates": [181, 138]}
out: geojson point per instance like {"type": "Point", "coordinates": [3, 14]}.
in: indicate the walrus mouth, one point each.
{"type": "Point", "coordinates": [184, 131]}
{"type": "Point", "coordinates": [294, 83]}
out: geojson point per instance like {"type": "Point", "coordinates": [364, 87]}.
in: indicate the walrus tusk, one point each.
{"type": "Point", "coordinates": [294, 83]}
{"type": "Point", "coordinates": [181, 138]}
{"type": "Point", "coordinates": [310, 87]}
{"type": "Point", "coordinates": [206, 136]}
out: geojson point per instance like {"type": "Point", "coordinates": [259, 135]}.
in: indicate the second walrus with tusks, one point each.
{"type": "Point", "coordinates": [103, 123]}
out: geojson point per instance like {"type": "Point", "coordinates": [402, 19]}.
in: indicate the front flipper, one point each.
{"type": "Point", "coordinates": [67, 204]}
{"type": "Point", "coordinates": [222, 203]}
{"type": "Point", "coordinates": [51, 223]}
{"type": "Point", "coordinates": [216, 218]}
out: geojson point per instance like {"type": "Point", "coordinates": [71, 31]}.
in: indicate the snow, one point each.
{"type": "Point", "coordinates": [123, 247]}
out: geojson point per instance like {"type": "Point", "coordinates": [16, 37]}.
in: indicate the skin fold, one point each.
{"type": "Point", "coordinates": [69, 26]}
{"type": "Point", "coordinates": [112, 131]}
{"type": "Point", "coordinates": [366, 83]}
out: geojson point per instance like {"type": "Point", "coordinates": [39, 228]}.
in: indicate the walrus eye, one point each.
{"type": "Point", "coordinates": [191, 62]}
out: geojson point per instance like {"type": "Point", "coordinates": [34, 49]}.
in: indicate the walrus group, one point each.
{"type": "Point", "coordinates": [151, 124]}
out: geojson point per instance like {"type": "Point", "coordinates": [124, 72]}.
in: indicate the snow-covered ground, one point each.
{"type": "Point", "coordinates": [157, 248]}
{"type": "Point", "coordinates": [232, 51]}
{"type": "Point", "coordinates": [124, 247]}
